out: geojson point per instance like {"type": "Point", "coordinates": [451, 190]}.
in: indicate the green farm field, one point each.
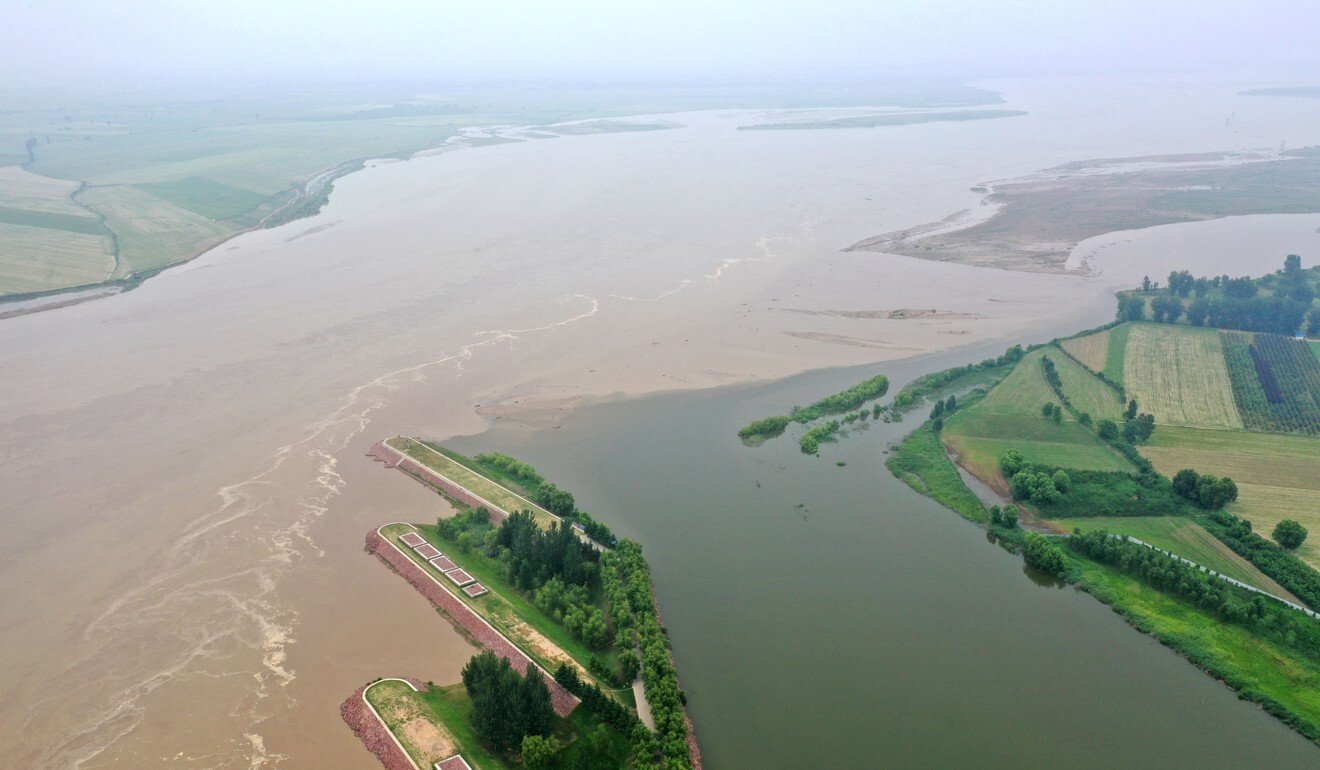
{"type": "Point", "coordinates": [1276, 474]}
{"type": "Point", "coordinates": [1184, 537]}
{"type": "Point", "coordinates": [1009, 418]}
{"type": "Point", "coordinates": [1177, 373]}
{"type": "Point", "coordinates": [1092, 350]}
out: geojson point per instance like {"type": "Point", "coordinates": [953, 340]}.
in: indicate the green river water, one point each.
{"type": "Point", "coordinates": [827, 616]}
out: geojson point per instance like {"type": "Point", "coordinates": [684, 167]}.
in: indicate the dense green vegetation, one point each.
{"type": "Point", "coordinates": [1204, 490]}
{"type": "Point", "coordinates": [866, 390]}
{"type": "Point", "coordinates": [765, 428]}
{"type": "Point", "coordinates": [1289, 534]}
{"type": "Point", "coordinates": [506, 706]}
{"type": "Point", "coordinates": [627, 584]}
{"type": "Point", "coordinates": [1280, 303]}
{"type": "Point", "coordinates": [920, 461]}
{"type": "Point", "coordinates": [843, 401]}
{"type": "Point", "coordinates": [810, 441]}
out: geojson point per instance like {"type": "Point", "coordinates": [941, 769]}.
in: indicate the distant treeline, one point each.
{"type": "Point", "coordinates": [1280, 303]}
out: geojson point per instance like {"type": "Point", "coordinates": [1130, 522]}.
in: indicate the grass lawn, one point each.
{"type": "Point", "coordinates": [533, 631]}
{"type": "Point", "coordinates": [1281, 679]}
{"type": "Point", "coordinates": [1178, 374]}
{"type": "Point", "coordinates": [1184, 537]}
{"type": "Point", "coordinates": [505, 498]}
{"type": "Point", "coordinates": [1315, 347]}
{"type": "Point", "coordinates": [1276, 474]}
{"type": "Point", "coordinates": [980, 439]}
{"type": "Point", "coordinates": [1023, 391]}
{"type": "Point", "coordinates": [1092, 350]}
{"type": "Point", "coordinates": [920, 461]}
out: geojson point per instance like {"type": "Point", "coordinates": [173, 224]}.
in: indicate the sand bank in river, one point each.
{"type": "Point", "coordinates": [199, 444]}
{"type": "Point", "coordinates": [1034, 223]}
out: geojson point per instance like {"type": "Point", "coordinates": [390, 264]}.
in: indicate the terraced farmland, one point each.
{"type": "Point", "coordinates": [1276, 474]}
{"type": "Point", "coordinates": [1177, 373]}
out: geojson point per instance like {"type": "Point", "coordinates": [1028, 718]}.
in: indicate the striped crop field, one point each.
{"type": "Point", "coordinates": [1118, 340]}
{"type": "Point", "coordinates": [1087, 392]}
{"type": "Point", "coordinates": [1177, 373]}
{"type": "Point", "coordinates": [1092, 350]}
{"type": "Point", "coordinates": [1276, 474]}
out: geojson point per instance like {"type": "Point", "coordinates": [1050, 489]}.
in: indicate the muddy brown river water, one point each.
{"type": "Point", "coordinates": [185, 491]}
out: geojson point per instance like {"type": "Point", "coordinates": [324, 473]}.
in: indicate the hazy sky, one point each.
{"type": "Point", "coordinates": [49, 40]}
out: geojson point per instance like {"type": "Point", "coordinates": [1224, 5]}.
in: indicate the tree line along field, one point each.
{"type": "Point", "coordinates": [1184, 537]}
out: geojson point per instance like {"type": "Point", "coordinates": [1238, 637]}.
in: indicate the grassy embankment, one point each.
{"type": "Point", "coordinates": [436, 724]}
{"type": "Point", "coordinates": [1281, 679]}
{"type": "Point", "coordinates": [474, 480]}
{"type": "Point", "coordinates": [543, 638]}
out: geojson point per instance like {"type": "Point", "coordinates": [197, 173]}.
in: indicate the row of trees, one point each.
{"type": "Point", "coordinates": [926, 384]}
{"type": "Point", "coordinates": [1284, 568]}
{"type": "Point", "coordinates": [1238, 302]}
{"type": "Point", "coordinates": [1174, 576]}
{"type": "Point", "coordinates": [1204, 490]}
{"type": "Point", "coordinates": [627, 583]}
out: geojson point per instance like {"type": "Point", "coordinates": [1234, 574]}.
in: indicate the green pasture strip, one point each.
{"type": "Point", "coordinates": [1117, 354]}
{"type": "Point", "coordinates": [211, 199]}
{"type": "Point", "coordinates": [1282, 681]}
{"type": "Point", "coordinates": [921, 462]}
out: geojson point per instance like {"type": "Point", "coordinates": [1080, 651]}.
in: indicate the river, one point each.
{"type": "Point", "coordinates": [185, 491]}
